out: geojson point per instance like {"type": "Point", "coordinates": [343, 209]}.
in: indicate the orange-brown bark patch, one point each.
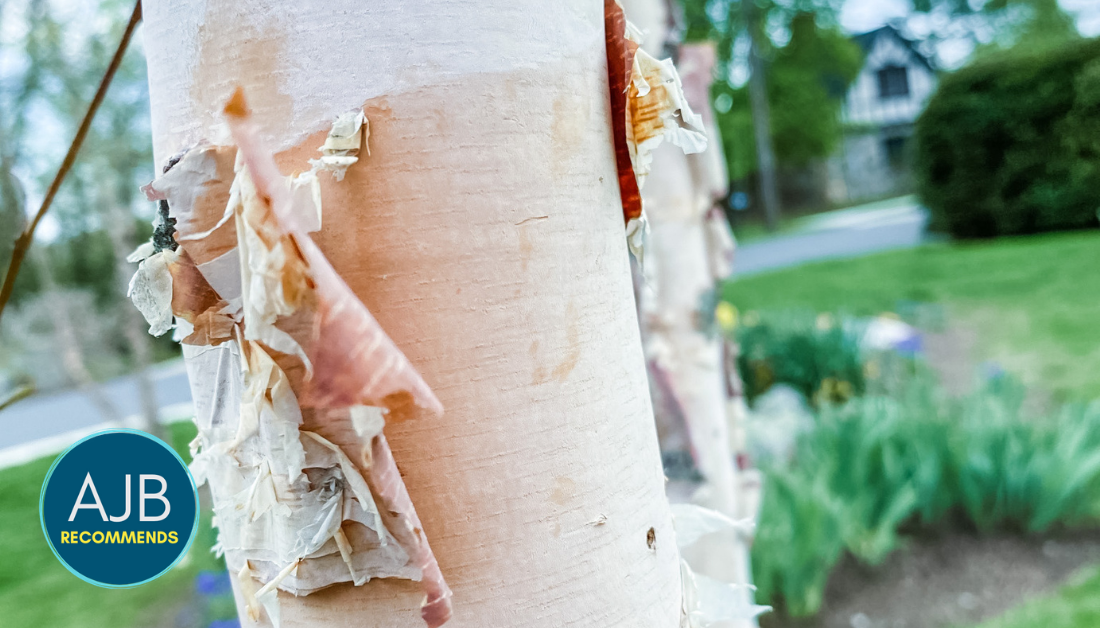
{"type": "Point", "coordinates": [620, 62]}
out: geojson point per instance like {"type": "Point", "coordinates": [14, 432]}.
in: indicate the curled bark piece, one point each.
{"type": "Point", "coordinates": [401, 520]}
{"type": "Point", "coordinates": [371, 370]}
{"type": "Point", "coordinates": [151, 291]}
{"type": "Point", "coordinates": [341, 147]}
{"type": "Point", "coordinates": [353, 362]}
{"type": "Point", "coordinates": [191, 293]}
{"type": "Point", "coordinates": [657, 110]}
{"type": "Point", "coordinates": [212, 327]}
{"type": "Point", "coordinates": [648, 106]}
{"type": "Point", "coordinates": [248, 588]}
{"type": "Point", "coordinates": [275, 280]}
{"type": "Point", "coordinates": [710, 603]}
{"type": "Point", "coordinates": [637, 230]}
{"type": "Point", "coordinates": [197, 190]}
{"type": "Point", "coordinates": [620, 62]}
{"type": "Point", "coordinates": [693, 522]}
{"type": "Point", "coordinates": [203, 317]}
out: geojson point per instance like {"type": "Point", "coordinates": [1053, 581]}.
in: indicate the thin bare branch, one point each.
{"type": "Point", "coordinates": [19, 394]}
{"type": "Point", "coordinates": [23, 242]}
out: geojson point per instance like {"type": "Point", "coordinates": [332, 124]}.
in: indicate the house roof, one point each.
{"type": "Point", "coordinates": [867, 41]}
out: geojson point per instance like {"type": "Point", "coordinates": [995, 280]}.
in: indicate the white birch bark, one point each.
{"type": "Point", "coordinates": [484, 232]}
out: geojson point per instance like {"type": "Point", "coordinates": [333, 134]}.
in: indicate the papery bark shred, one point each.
{"type": "Point", "coordinates": [401, 520]}
{"type": "Point", "coordinates": [354, 363]}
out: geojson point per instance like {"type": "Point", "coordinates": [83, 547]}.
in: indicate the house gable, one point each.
{"type": "Point", "coordinates": [894, 83]}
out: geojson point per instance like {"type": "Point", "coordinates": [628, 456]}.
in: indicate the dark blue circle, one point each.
{"type": "Point", "coordinates": [118, 559]}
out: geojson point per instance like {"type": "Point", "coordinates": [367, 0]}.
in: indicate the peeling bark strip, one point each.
{"type": "Point", "coordinates": [648, 106]}
{"type": "Point", "coordinates": [620, 61]}
{"type": "Point", "coordinates": [401, 519]}
{"type": "Point", "coordinates": [353, 361]}
{"type": "Point", "coordinates": [292, 508]}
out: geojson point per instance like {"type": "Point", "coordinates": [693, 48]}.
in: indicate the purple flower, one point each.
{"type": "Point", "coordinates": [909, 346]}
{"type": "Point", "coordinates": [212, 583]}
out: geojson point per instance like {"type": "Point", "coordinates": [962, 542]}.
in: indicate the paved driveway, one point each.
{"type": "Point", "coordinates": [846, 233]}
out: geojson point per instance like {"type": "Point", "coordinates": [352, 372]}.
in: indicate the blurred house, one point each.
{"type": "Point", "coordinates": [884, 101]}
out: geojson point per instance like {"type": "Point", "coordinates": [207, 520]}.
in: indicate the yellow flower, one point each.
{"type": "Point", "coordinates": [871, 370]}
{"type": "Point", "coordinates": [833, 391]}
{"type": "Point", "coordinates": [824, 321]}
{"type": "Point", "coordinates": [726, 315]}
{"type": "Point", "coordinates": [843, 390]}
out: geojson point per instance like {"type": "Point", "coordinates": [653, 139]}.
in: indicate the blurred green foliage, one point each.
{"type": "Point", "coordinates": [816, 355]}
{"type": "Point", "coordinates": [1012, 22]}
{"type": "Point", "coordinates": [809, 62]}
{"type": "Point", "coordinates": [54, 60]}
{"type": "Point", "coordinates": [876, 463]}
{"type": "Point", "coordinates": [807, 80]}
{"type": "Point", "coordinates": [1026, 299]}
{"type": "Point", "coordinates": [44, 95]}
{"type": "Point", "coordinates": [1008, 145]}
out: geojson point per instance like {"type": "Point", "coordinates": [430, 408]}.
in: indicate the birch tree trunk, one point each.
{"type": "Point", "coordinates": [680, 336]}
{"type": "Point", "coordinates": [485, 233]}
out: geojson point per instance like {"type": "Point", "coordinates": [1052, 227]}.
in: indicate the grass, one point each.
{"type": "Point", "coordinates": [754, 229]}
{"type": "Point", "coordinates": [1075, 605]}
{"type": "Point", "coordinates": [1033, 300]}
{"type": "Point", "coordinates": [37, 591]}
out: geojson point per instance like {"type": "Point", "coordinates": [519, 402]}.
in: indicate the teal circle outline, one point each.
{"type": "Point", "coordinates": [46, 482]}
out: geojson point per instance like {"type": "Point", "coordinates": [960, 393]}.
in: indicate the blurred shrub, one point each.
{"type": "Point", "coordinates": [871, 465]}
{"type": "Point", "coordinates": [814, 354]}
{"type": "Point", "coordinates": [1011, 143]}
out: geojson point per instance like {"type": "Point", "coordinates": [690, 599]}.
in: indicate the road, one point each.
{"type": "Point", "coordinates": [54, 420]}
{"type": "Point", "coordinates": [833, 235]}
{"type": "Point", "coordinates": [47, 423]}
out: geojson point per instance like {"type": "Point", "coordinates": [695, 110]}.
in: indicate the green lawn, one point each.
{"type": "Point", "coordinates": [1075, 605]}
{"type": "Point", "coordinates": [36, 591]}
{"type": "Point", "coordinates": [1034, 302]}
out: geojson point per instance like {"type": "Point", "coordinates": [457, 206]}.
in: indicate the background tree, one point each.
{"type": "Point", "coordinates": [807, 63]}
{"type": "Point", "coordinates": [808, 80]}
{"type": "Point", "coordinates": [96, 218]}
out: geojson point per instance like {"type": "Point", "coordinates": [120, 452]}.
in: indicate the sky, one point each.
{"type": "Point", "coordinates": [864, 15]}
{"type": "Point", "coordinates": [859, 16]}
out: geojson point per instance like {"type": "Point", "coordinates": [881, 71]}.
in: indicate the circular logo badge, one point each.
{"type": "Point", "coordinates": [119, 508]}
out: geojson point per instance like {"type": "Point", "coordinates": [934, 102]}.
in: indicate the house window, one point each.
{"type": "Point", "coordinates": [896, 152]}
{"type": "Point", "coordinates": [893, 81]}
